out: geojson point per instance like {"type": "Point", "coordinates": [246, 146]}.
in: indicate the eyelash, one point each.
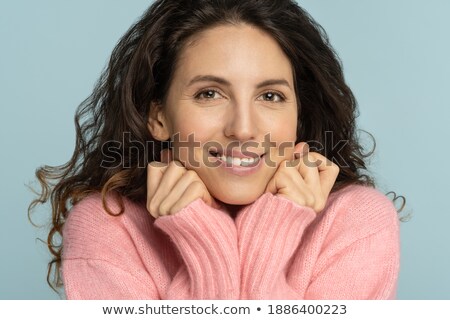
{"type": "Point", "coordinates": [197, 95]}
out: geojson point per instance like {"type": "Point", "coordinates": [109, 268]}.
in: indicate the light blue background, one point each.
{"type": "Point", "coordinates": [396, 60]}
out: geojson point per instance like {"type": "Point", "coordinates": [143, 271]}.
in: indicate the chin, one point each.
{"type": "Point", "coordinates": [236, 197]}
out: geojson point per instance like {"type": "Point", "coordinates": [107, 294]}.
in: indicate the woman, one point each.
{"type": "Point", "coordinates": [238, 206]}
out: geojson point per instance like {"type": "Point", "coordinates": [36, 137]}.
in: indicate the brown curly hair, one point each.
{"type": "Point", "coordinates": [139, 73]}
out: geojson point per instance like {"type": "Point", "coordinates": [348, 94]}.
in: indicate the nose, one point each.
{"type": "Point", "coordinates": [241, 122]}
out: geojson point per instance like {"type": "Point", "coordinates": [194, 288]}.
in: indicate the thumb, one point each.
{"type": "Point", "coordinates": [166, 155]}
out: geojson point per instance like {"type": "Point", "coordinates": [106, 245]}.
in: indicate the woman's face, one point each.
{"type": "Point", "coordinates": [232, 91]}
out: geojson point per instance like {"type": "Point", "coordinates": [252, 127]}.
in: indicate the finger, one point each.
{"type": "Point", "coordinates": [305, 164]}
{"type": "Point", "coordinates": [300, 149]}
{"type": "Point", "coordinates": [328, 172]}
{"type": "Point", "coordinates": [286, 179]}
{"type": "Point", "coordinates": [299, 190]}
{"type": "Point", "coordinates": [170, 177]}
{"type": "Point", "coordinates": [155, 172]}
{"type": "Point", "coordinates": [274, 184]}
{"type": "Point", "coordinates": [194, 191]}
{"type": "Point", "coordinates": [307, 168]}
{"type": "Point", "coordinates": [166, 155]}
{"type": "Point", "coordinates": [177, 191]}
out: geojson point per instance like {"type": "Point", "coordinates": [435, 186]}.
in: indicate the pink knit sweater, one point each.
{"type": "Point", "coordinates": [273, 249]}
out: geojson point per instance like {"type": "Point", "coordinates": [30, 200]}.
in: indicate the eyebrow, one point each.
{"type": "Point", "coordinates": [202, 78]}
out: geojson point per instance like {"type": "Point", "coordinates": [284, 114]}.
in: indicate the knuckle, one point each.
{"type": "Point", "coordinates": [335, 167]}
{"type": "Point", "coordinates": [316, 155]}
{"type": "Point", "coordinates": [190, 174]}
{"type": "Point", "coordinates": [331, 164]}
{"type": "Point", "coordinates": [173, 210]}
{"type": "Point", "coordinates": [176, 208]}
{"type": "Point", "coordinates": [319, 205]}
{"type": "Point", "coordinates": [197, 186]}
{"type": "Point", "coordinates": [152, 207]}
{"type": "Point", "coordinates": [163, 209]}
{"type": "Point", "coordinates": [176, 163]}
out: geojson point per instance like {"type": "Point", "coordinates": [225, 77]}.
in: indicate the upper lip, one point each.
{"type": "Point", "coordinates": [233, 152]}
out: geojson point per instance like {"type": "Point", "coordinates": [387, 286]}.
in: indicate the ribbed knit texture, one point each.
{"type": "Point", "coordinates": [274, 249]}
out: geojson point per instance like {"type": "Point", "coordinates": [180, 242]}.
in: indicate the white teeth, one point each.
{"type": "Point", "coordinates": [238, 161]}
{"type": "Point", "coordinates": [248, 160]}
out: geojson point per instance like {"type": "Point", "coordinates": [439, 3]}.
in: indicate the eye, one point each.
{"type": "Point", "coordinates": [207, 94]}
{"type": "Point", "coordinates": [273, 96]}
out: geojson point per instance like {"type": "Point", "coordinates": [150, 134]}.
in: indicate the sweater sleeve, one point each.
{"type": "Point", "coordinates": [102, 256]}
{"type": "Point", "coordinates": [95, 279]}
{"type": "Point", "coordinates": [365, 270]}
{"type": "Point", "coordinates": [207, 242]}
{"type": "Point", "coordinates": [125, 257]}
{"type": "Point", "coordinates": [269, 231]}
{"type": "Point", "coordinates": [357, 252]}
{"type": "Point", "coordinates": [360, 253]}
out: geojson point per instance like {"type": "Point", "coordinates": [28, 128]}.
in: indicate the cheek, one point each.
{"type": "Point", "coordinates": [285, 130]}
{"type": "Point", "coordinates": [189, 122]}
{"type": "Point", "coordinates": [188, 142]}
{"type": "Point", "coordinates": [284, 138]}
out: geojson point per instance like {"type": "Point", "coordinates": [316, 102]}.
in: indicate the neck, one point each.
{"type": "Point", "coordinates": [232, 209]}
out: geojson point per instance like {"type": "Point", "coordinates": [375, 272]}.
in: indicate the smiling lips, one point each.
{"type": "Point", "coordinates": [233, 157]}
{"type": "Point", "coordinates": [243, 162]}
{"type": "Point", "coordinates": [237, 162]}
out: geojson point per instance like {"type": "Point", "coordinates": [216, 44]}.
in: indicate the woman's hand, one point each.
{"type": "Point", "coordinates": [306, 180]}
{"type": "Point", "coordinates": [171, 187]}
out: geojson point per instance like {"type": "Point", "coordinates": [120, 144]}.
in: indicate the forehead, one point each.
{"type": "Point", "coordinates": [235, 52]}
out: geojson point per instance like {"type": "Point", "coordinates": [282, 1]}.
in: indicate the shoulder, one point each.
{"type": "Point", "coordinates": [90, 212]}
{"type": "Point", "coordinates": [363, 209]}
{"type": "Point", "coordinates": [358, 196]}
{"type": "Point", "coordinates": [90, 229]}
